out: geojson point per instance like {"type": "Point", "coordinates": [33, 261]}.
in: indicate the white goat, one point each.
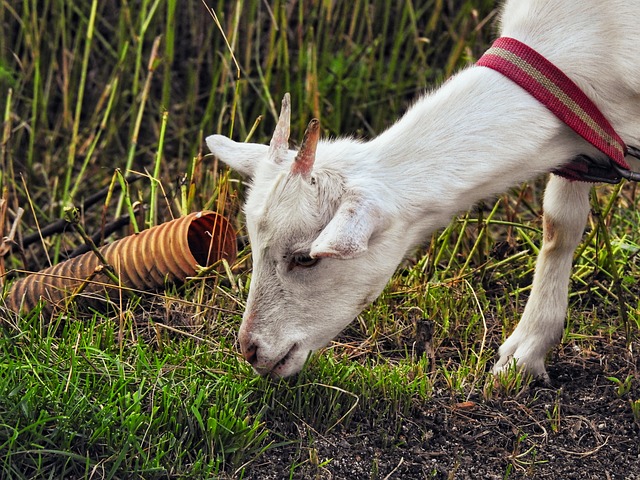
{"type": "Point", "coordinates": [329, 226]}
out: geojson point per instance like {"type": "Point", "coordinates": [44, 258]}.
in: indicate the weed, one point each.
{"type": "Point", "coordinates": [622, 387]}
{"type": "Point", "coordinates": [635, 409]}
{"type": "Point", "coordinates": [554, 415]}
{"type": "Point", "coordinates": [511, 381]}
{"type": "Point", "coordinates": [524, 457]}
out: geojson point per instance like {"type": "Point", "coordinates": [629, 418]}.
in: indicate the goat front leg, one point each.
{"type": "Point", "coordinates": [566, 207]}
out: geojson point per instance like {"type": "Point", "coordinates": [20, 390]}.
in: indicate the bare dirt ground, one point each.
{"type": "Point", "coordinates": [579, 427]}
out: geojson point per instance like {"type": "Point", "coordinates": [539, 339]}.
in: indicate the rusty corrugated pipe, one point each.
{"type": "Point", "coordinates": [169, 253]}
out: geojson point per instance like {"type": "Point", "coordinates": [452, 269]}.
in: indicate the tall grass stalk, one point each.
{"type": "Point", "coordinates": [32, 36]}
{"type": "Point", "coordinates": [5, 162]}
{"type": "Point", "coordinates": [126, 196]}
{"type": "Point", "coordinates": [111, 91]}
{"type": "Point", "coordinates": [73, 143]}
{"type": "Point", "coordinates": [169, 51]}
{"type": "Point", "coordinates": [140, 114]}
{"type": "Point", "coordinates": [155, 179]}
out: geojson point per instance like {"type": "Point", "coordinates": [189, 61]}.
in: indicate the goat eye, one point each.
{"type": "Point", "coordinates": [304, 261]}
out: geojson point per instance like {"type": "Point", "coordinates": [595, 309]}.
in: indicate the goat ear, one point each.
{"type": "Point", "coordinates": [243, 157]}
{"type": "Point", "coordinates": [347, 234]}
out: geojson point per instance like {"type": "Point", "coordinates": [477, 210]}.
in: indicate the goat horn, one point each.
{"type": "Point", "coordinates": [303, 163]}
{"type": "Point", "coordinates": [279, 144]}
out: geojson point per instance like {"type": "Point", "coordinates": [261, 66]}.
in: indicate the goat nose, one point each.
{"type": "Point", "coordinates": [247, 338]}
{"type": "Point", "coordinates": [248, 345]}
{"type": "Point", "coordinates": [250, 352]}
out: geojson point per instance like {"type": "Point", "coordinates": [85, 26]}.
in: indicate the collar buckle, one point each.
{"type": "Point", "coordinates": [600, 169]}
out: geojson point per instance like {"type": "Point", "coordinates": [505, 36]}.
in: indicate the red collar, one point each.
{"type": "Point", "coordinates": [551, 87]}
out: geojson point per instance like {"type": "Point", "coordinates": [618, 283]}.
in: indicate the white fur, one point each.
{"type": "Point", "coordinates": [368, 203]}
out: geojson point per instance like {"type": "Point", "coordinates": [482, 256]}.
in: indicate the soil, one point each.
{"type": "Point", "coordinates": [579, 427]}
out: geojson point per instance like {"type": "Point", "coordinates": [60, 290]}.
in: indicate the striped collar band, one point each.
{"type": "Point", "coordinates": [551, 87]}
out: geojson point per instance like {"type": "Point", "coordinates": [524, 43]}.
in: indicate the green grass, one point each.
{"type": "Point", "coordinates": [75, 402]}
{"type": "Point", "coordinates": [155, 388]}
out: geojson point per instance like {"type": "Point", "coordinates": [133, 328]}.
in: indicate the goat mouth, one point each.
{"type": "Point", "coordinates": [282, 363]}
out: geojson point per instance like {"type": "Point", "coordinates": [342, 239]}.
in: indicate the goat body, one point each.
{"type": "Point", "coordinates": [329, 224]}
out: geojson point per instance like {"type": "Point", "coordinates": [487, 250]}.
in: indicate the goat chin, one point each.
{"type": "Point", "coordinates": [329, 224]}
